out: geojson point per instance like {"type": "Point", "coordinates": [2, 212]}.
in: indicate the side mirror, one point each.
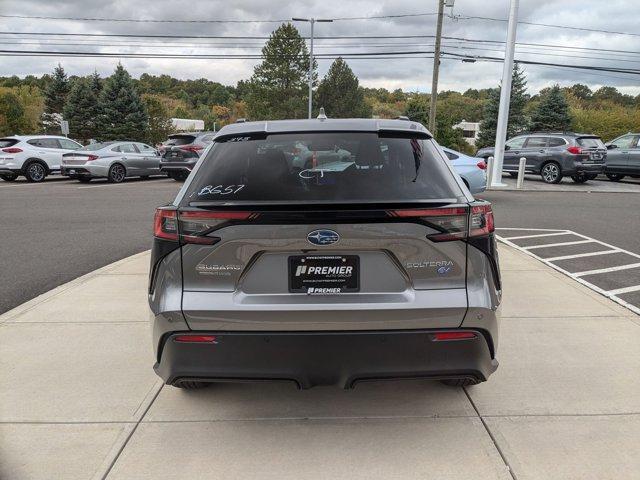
{"type": "Point", "coordinates": [611, 146]}
{"type": "Point", "coordinates": [507, 147]}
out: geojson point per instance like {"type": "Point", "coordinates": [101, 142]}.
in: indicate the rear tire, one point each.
{"type": "Point", "coordinates": [9, 177]}
{"type": "Point", "coordinates": [35, 172]}
{"type": "Point", "coordinates": [117, 173]}
{"type": "Point", "coordinates": [191, 385]}
{"type": "Point", "coordinates": [580, 178]}
{"type": "Point", "coordinates": [551, 173]}
{"type": "Point", "coordinates": [179, 176]}
{"type": "Point", "coordinates": [615, 177]}
{"type": "Point", "coordinates": [459, 382]}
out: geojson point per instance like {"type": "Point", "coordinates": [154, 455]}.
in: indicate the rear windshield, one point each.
{"type": "Point", "coordinates": [7, 142]}
{"type": "Point", "coordinates": [332, 167]}
{"type": "Point", "coordinates": [590, 142]}
{"type": "Point", "coordinates": [180, 140]}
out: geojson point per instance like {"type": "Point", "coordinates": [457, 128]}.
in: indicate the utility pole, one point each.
{"type": "Point", "coordinates": [436, 69]}
{"type": "Point", "coordinates": [495, 176]}
{"type": "Point", "coordinates": [312, 21]}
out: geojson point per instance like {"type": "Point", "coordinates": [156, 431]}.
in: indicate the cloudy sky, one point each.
{"type": "Point", "coordinates": [562, 45]}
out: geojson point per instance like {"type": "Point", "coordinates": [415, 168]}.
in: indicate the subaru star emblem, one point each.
{"type": "Point", "coordinates": [323, 237]}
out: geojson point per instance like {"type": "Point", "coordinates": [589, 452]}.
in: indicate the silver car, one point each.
{"type": "Point", "coordinates": [473, 170]}
{"type": "Point", "coordinates": [114, 161]}
{"type": "Point", "coordinates": [377, 265]}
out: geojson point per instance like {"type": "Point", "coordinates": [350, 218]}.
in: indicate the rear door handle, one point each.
{"type": "Point", "coordinates": [541, 151]}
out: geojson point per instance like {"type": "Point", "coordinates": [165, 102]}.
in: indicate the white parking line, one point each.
{"type": "Point", "coordinates": [533, 229]}
{"type": "Point", "coordinates": [607, 270]}
{"type": "Point", "coordinates": [578, 255]}
{"type": "Point", "coordinates": [538, 235]}
{"type": "Point", "coordinates": [611, 294]}
{"type": "Point", "coordinates": [578, 242]}
{"type": "Point", "coordinates": [620, 291]}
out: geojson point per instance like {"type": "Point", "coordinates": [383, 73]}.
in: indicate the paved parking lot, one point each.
{"type": "Point", "coordinates": [605, 268]}
{"type": "Point", "coordinates": [601, 184]}
{"type": "Point", "coordinates": [79, 400]}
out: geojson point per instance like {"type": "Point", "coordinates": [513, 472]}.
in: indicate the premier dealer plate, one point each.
{"type": "Point", "coordinates": [324, 274]}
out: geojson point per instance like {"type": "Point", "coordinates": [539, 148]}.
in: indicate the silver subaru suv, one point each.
{"type": "Point", "coordinates": [324, 251]}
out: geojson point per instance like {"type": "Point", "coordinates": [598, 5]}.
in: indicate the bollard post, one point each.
{"type": "Point", "coordinates": [520, 181]}
{"type": "Point", "coordinates": [489, 171]}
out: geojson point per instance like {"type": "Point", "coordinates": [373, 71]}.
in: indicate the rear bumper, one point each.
{"type": "Point", "coordinates": [181, 166]}
{"type": "Point", "coordinates": [589, 167]}
{"type": "Point", "coordinates": [325, 358]}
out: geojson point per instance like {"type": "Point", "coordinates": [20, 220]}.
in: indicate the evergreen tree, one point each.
{"type": "Point", "coordinates": [340, 94]}
{"type": "Point", "coordinates": [122, 113]}
{"type": "Point", "coordinates": [518, 121]}
{"type": "Point", "coordinates": [552, 113]}
{"type": "Point", "coordinates": [81, 110]}
{"type": "Point", "coordinates": [54, 99]}
{"type": "Point", "coordinates": [12, 115]}
{"type": "Point", "coordinates": [96, 83]}
{"type": "Point", "coordinates": [160, 125]}
{"type": "Point", "coordinates": [279, 85]}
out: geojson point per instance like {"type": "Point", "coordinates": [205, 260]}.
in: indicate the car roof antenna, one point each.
{"type": "Point", "coordinates": [322, 115]}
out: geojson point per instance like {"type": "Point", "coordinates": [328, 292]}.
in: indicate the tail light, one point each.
{"type": "Point", "coordinates": [575, 150]}
{"type": "Point", "coordinates": [195, 339]}
{"type": "Point", "coordinates": [192, 148]}
{"type": "Point", "coordinates": [92, 157]}
{"type": "Point", "coordinates": [165, 224]}
{"type": "Point", "coordinates": [193, 226]}
{"type": "Point", "coordinates": [452, 335]}
{"type": "Point", "coordinates": [481, 165]}
{"type": "Point", "coordinates": [12, 150]}
{"type": "Point", "coordinates": [457, 223]}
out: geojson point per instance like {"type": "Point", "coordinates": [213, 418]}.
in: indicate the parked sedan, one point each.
{"type": "Point", "coordinates": [473, 170]}
{"type": "Point", "coordinates": [114, 161]}
{"type": "Point", "coordinates": [623, 157]}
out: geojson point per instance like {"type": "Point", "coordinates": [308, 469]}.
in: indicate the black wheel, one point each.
{"type": "Point", "coordinates": [191, 385]}
{"type": "Point", "coordinates": [117, 173]}
{"type": "Point", "coordinates": [551, 173]}
{"type": "Point", "coordinates": [84, 179]}
{"type": "Point", "coordinates": [460, 382]}
{"type": "Point", "coordinates": [179, 176]}
{"type": "Point", "coordinates": [9, 177]}
{"type": "Point", "coordinates": [35, 172]}
{"type": "Point", "coordinates": [615, 177]}
{"type": "Point", "coordinates": [513, 174]}
{"type": "Point", "coordinates": [580, 177]}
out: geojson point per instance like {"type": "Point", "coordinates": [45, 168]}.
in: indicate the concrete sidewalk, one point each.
{"type": "Point", "coordinates": [79, 400]}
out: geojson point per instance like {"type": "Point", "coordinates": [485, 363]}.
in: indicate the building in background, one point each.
{"type": "Point", "coordinates": [470, 131]}
{"type": "Point", "coordinates": [187, 124]}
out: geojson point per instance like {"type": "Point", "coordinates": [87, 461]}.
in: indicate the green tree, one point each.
{"type": "Point", "coordinates": [12, 115]}
{"type": "Point", "coordinates": [122, 113]}
{"type": "Point", "coordinates": [160, 125]}
{"type": "Point", "coordinates": [279, 84]}
{"type": "Point", "coordinates": [518, 121]}
{"type": "Point", "coordinates": [81, 110]}
{"type": "Point", "coordinates": [552, 112]}
{"type": "Point", "coordinates": [340, 94]}
{"type": "Point", "coordinates": [96, 83]}
{"type": "Point", "coordinates": [54, 99]}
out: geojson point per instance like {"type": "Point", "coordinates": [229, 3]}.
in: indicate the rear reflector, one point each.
{"type": "Point", "coordinates": [455, 335]}
{"type": "Point", "coordinates": [195, 339]}
{"type": "Point", "coordinates": [12, 150]}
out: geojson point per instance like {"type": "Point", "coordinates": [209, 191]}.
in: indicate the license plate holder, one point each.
{"type": "Point", "coordinates": [324, 274]}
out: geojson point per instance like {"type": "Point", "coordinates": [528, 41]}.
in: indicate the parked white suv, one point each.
{"type": "Point", "coordinates": [34, 156]}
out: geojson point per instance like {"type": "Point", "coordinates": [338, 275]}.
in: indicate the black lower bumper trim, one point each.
{"type": "Point", "coordinates": [324, 358]}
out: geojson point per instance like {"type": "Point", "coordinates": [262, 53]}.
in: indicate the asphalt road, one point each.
{"type": "Point", "coordinates": [54, 232]}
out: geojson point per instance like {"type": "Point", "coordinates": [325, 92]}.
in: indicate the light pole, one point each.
{"type": "Point", "coordinates": [495, 176]}
{"type": "Point", "coordinates": [312, 21]}
{"type": "Point", "coordinates": [436, 70]}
